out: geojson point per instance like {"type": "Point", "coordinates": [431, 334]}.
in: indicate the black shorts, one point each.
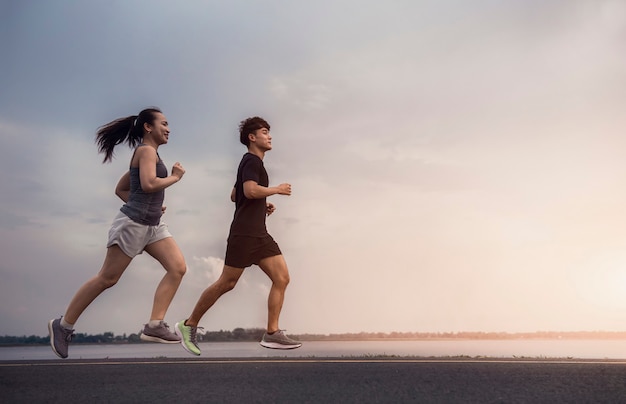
{"type": "Point", "coordinates": [243, 251]}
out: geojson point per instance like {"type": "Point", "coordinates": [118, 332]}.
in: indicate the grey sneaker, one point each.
{"type": "Point", "coordinates": [160, 333]}
{"type": "Point", "coordinates": [279, 340]}
{"type": "Point", "coordinates": [189, 337]}
{"type": "Point", "coordinates": [59, 337]}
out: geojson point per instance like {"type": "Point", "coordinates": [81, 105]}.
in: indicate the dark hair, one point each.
{"type": "Point", "coordinates": [128, 129]}
{"type": "Point", "coordinates": [249, 126]}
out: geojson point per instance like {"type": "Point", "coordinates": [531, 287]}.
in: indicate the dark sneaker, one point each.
{"type": "Point", "coordinates": [188, 336]}
{"type": "Point", "coordinates": [279, 340]}
{"type": "Point", "coordinates": [59, 337]}
{"type": "Point", "coordinates": [160, 333]}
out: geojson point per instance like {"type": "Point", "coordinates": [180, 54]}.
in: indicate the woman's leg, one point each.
{"type": "Point", "coordinates": [166, 251]}
{"type": "Point", "coordinates": [115, 263]}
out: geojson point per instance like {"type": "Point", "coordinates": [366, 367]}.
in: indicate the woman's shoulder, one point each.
{"type": "Point", "coordinates": [144, 152]}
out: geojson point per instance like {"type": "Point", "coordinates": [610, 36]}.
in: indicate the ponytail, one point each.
{"type": "Point", "coordinates": [128, 129]}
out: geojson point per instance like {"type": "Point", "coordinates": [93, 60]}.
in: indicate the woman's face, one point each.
{"type": "Point", "coordinates": [159, 130]}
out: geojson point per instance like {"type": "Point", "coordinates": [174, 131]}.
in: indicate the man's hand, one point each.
{"type": "Point", "coordinates": [270, 208]}
{"type": "Point", "coordinates": [284, 189]}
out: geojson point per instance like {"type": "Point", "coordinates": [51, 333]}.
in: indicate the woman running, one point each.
{"type": "Point", "coordinates": [136, 228]}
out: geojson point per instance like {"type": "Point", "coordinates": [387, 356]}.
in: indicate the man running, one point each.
{"type": "Point", "coordinates": [249, 242]}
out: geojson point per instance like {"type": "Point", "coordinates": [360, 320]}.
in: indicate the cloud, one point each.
{"type": "Point", "coordinates": [456, 156]}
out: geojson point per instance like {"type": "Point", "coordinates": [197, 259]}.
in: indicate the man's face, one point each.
{"type": "Point", "coordinates": [262, 139]}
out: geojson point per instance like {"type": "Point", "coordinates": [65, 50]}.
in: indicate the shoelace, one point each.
{"type": "Point", "coordinates": [192, 334]}
{"type": "Point", "coordinates": [68, 334]}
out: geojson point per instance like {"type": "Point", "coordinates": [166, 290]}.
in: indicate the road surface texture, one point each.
{"type": "Point", "coordinates": [304, 380]}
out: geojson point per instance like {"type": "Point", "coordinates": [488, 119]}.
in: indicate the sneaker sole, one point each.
{"type": "Point", "coordinates": [52, 340]}
{"type": "Point", "coordinates": [180, 334]}
{"type": "Point", "coordinates": [150, 338]}
{"type": "Point", "coordinates": [276, 345]}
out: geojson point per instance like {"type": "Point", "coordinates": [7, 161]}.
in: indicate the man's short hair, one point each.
{"type": "Point", "coordinates": [251, 125]}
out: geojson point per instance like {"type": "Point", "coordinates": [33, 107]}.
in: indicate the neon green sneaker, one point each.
{"type": "Point", "coordinates": [188, 337]}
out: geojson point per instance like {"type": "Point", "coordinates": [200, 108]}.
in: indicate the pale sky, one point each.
{"type": "Point", "coordinates": [456, 166]}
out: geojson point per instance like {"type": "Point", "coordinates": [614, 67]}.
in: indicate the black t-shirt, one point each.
{"type": "Point", "coordinates": [249, 218]}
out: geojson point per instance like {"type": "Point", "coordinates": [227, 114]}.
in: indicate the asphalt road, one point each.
{"type": "Point", "coordinates": [312, 381]}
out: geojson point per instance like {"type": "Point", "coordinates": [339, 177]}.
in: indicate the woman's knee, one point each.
{"type": "Point", "coordinates": [180, 269]}
{"type": "Point", "coordinates": [107, 281]}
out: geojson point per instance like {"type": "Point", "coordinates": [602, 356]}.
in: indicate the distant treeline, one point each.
{"type": "Point", "coordinates": [238, 334]}
{"type": "Point", "coordinates": [255, 334]}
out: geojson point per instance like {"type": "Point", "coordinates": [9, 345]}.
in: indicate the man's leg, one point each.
{"type": "Point", "coordinates": [187, 329]}
{"type": "Point", "coordinates": [226, 282]}
{"type": "Point", "coordinates": [276, 268]}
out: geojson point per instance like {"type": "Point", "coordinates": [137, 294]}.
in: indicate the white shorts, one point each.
{"type": "Point", "coordinates": [132, 237]}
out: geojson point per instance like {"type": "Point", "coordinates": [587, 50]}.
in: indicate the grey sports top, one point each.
{"type": "Point", "coordinates": [145, 207]}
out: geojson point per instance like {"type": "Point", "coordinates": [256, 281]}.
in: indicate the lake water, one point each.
{"type": "Point", "coordinates": [532, 349]}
